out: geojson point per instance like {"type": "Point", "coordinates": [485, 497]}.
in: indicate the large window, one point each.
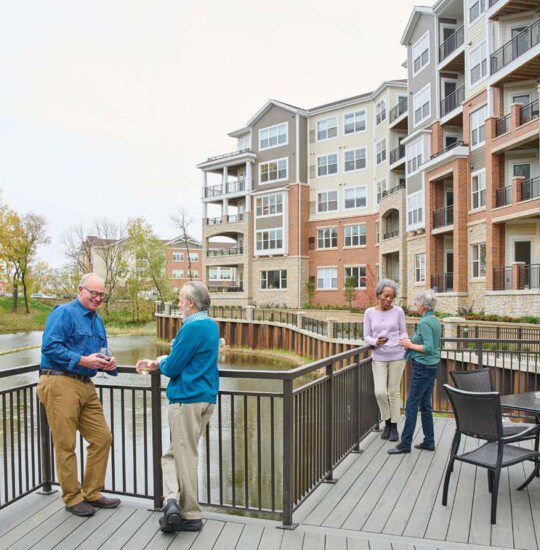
{"type": "Point", "coordinates": [478, 63]}
{"type": "Point", "coordinates": [358, 273]}
{"type": "Point", "coordinates": [355, 159]}
{"type": "Point", "coordinates": [220, 273]}
{"type": "Point", "coordinates": [269, 205]}
{"type": "Point", "coordinates": [327, 237]}
{"type": "Point", "coordinates": [327, 128]}
{"type": "Point", "coordinates": [177, 256]}
{"type": "Point", "coordinates": [327, 278]}
{"type": "Point", "coordinates": [326, 165]}
{"type": "Point", "coordinates": [274, 170]}
{"type": "Point", "coordinates": [355, 121]}
{"type": "Point", "coordinates": [193, 257]}
{"type": "Point", "coordinates": [177, 274]}
{"type": "Point", "coordinates": [476, 7]}
{"type": "Point", "coordinates": [478, 127]}
{"type": "Point", "coordinates": [414, 156]}
{"type": "Point", "coordinates": [355, 235]}
{"type": "Point", "coordinates": [478, 189]}
{"type": "Point", "coordinates": [195, 273]}
{"type": "Point", "coordinates": [478, 260]}
{"type": "Point", "coordinates": [355, 197]}
{"type": "Point", "coordinates": [274, 279]}
{"type": "Point", "coordinates": [415, 209]}
{"type": "Point", "coordinates": [271, 239]}
{"type": "Point", "coordinates": [420, 53]}
{"type": "Point", "coordinates": [419, 268]}
{"type": "Point", "coordinates": [273, 136]}
{"type": "Point", "coordinates": [422, 105]}
{"type": "Point", "coordinates": [380, 150]}
{"type": "Point", "coordinates": [327, 201]}
{"type": "Point", "coordinates": [380, 110]}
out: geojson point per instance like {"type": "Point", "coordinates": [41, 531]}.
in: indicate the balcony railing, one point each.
{"type": "Point", "coordinates": [397, 154]}
{"type": "Point", "coordinates": [224, 219]}
{"type": "Point", "coordinates": [452, 101]}
{"type": "Point", "coordinates": [516, 47]}
{"type": "Point", "coordinates": [233, 186]}
{"type": "Point", "coordinates": [443, 217]}
{"type": "Point", "coordinates": [229, 155]}
{"type": "Point", "coordinates": [448, 148]}
{"type": "Point", "coordinates": [528, 112]}
{"type": "Point", "coordinates": [235, 250]}
{"type": "Point", "coordinates": [391, 191]}
{"type": "Point", "coordinates": [502, 125]}
{"type": "Point", "coordinates": [443, 282]}
{"type": "Point", "coordinates": [503, 196]}
{"type": "Point", "coordinates": [391, 234]}
{"type": "Point", "coordinates": [452, 43]}
{"type": "Point", "coordinates": [398, 110]}
{"type": "Point", "coordinates": [530, 189]}
{"type": "Point", "coordinates": [528, 277]}
{"type": "Point", "coordinates": [222, 288]}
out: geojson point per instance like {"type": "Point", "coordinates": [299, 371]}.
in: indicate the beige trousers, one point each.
{"type": "Point", "coordinates": [73, 405]}
{"type": "Point", "coordinates": [387, 381]}
{"type": "Point", "coordinates": [187, 422]}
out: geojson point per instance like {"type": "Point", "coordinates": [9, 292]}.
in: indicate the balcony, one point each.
{"type": "Point", "coordinates": [452, 101]}
{"type": "Point", "coordinates": [224, 219]}
{"type": "Point", "coordinates": [446, 149]}
{"type": "Point", "coordinates": [503, 196]}
{"type": "Point", "coordinates": [391, 234]}
{"type": "Point", "coordinates": [515, 48]}
{"type": "Point", "coordinates": [220, 252]}
{"type": "Point", "coordinates": [227, 188]}
{"type": "Point", "coordinates": [443, 217]}
{"type": "Point", "coordinates": [519, 276]}
{"type": "Point", "coordinates": [398, 110]}
{"type": "Point", "coordinates": [397, 154]}
{"type": "Point", "coordinates": [503, 8]}
{"type": "Point", "coordinates": [503, 125]}
{"type": "Point", "coordinates": [529, 112]}
{"type": "Point", "coordinates": [223, 288]}
{"type": "Point", "coordinates": [443, 282]}
{"type": "Point", "coordinates": [451, 44]}
{"type": "Point", "coordinates": [530, 189]}
{"type": "Point", "coordinates": [387, 192]}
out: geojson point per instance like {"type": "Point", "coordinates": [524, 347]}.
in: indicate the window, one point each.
{"type": "Point", "coordinates": [327, 278]}
{"type": "Point", "coordinates": [355, 197]}
{"type": "Point", "coordinates": [355, 159]}
{"type": "Point", "coordinates": [220, 274]}
{"type": "Point", "coordinates": [415, 209]}
{"type": "Point", "coordinates": [420, 53]}
{"type": "Point", "coordinates": [377, 232]}
{"type": "Point", "coordinates": [381, 151]}
{"type": "Point", "coordinates": [327, 165]}
{"type": "Point", "coordinates": [478, 127]}
{"type": "Point", "coordinates": [271, 239]}
{"type": "Point", "coordinates": [354, 121]}
{"type": "Point", "coordinates": [269, 205]}
{"type": "Point", "coordinates": [478, 189]}
{"type": "Point", "coordinates": [274, 279]}
{"type": "Point", "coordinates": [478, 266]}
{"type": "Point", "coordinates": [521, 171]}
{"type": "Point", "coordinates": [422, 105]}
{"type": "Point", "coordinates": [178, 257]}
{"type": "Point", "coordinates": [274, 170]}
{"type": "Point", "coordinates": [355, 235]}
{"type": "Point", "coordinates": [273, 136]}
{"type": "Point", "coordinates": [195, 273]}
{"type": "Point", "coordinates": [521, 99]}
{"type": "Point", "coordinates": [414, 156]}
{"type": "Point", "coordinates": [358, 273]}
{"type": "Point", "coordinates": [478, 63]}
{"type": "Point", "coordinates": [177, 273]}
{"type": "Point", "coordinates": [419, 268]}
{"type": "Point", "coordinates": [380, 110]}
{"type": "Point", "coordinates": [244, 142]}
{"type": "Point", "coordinates": [193, 257]}
{"type": "Point", "coordinates": [327, 237]}
{"type": "Point", "coordinates": [476, 7]}
{"type": "Point", "coordinates": [327, 201]}
{"type": "Point", "coordinates": [326, 128]}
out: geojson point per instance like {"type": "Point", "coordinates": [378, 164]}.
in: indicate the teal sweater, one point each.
{"type": "Point", "coordinates": [192, 364]}
{"type": "Point", "coordinates": [428, 334]}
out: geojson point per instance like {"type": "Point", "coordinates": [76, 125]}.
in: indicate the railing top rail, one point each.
{"type": "Point", "coordinates": [229, 155]}
{"type": "Point", "coordinates": [448, 148]}
{"type": "Point", "coordinates": [454, 36]}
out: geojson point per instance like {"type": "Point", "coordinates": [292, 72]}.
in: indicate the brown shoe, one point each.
{"type": "Point", "coordinates": [82, 509]}
{"type": "Point", "coordinates": [104, 502]}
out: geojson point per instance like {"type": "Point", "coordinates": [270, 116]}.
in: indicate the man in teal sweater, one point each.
{"type": "Point", "coordinates": [192, 393]}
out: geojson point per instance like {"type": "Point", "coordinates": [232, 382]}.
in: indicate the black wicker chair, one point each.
{"type": "Point", "coordinates": [479, 415]}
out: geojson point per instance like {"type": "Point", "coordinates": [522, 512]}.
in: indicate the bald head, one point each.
{"type": "Point", "coordinates": [92, 291]}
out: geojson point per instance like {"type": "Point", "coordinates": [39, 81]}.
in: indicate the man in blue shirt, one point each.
{"type": "Point", "coordinates": [192, 391]}
{"type": "Point", "coordinates": [73, 336]}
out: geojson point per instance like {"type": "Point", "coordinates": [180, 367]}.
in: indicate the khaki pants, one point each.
{"type": "Point", "coordinates": [187, 422]}
{"type": "Point", "coordinates": [73, 405]}
{"type": "Point", "coordinates": [387, 381]}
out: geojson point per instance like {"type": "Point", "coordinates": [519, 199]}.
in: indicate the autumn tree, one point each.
{"type": "Point", "coordinates": [182, 221]}
{"type": "Point", "coordinates": [78, 249]}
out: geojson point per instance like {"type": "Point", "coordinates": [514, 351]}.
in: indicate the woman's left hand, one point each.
{"type": "Point", "coordinates": [405, 342]}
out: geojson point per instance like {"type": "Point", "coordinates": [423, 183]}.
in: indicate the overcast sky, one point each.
{"type": "Point", "coordinates": [107, 106]}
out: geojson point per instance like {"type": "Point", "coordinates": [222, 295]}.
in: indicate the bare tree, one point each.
{"type": "Point", "coordinates": [182, 221]}
{"type": "Point", "coordinates": [78, 249]}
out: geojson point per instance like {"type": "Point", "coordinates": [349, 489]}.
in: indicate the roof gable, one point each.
{"type": "Point", "coordinates": [413, 19]}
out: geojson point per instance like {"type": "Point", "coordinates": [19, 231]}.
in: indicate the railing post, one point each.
{"type": "Point", "coordinates": [329, 426]}
{"type": "Point", "coordinates": [46, 466]}
{"type": "Point", "coordinates": [356, 401]}
{"type": "Point", "coordinates": [288, 456]}
{"type": "Point", "coordinates": [156, 439]}
{"type": "Point", "coordinates": [479, 354]}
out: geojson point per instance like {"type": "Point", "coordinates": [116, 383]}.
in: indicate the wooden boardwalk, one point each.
{"type": "Point", "coordinates": [380, 502]}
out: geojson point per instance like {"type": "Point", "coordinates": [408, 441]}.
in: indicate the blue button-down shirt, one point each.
{"type": "Point", "coordinates": [71, 332]}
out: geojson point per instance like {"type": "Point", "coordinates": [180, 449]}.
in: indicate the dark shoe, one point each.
{"type": "Point", "coordinates": [191, 525]}
{"type": "Point", "coordinates": [172, 514]}
{"type": "Point", "coordinates": [82, 509]}
{"type": "Point", "coordinates": [399, 450]}
{"type": "Point", "coordinates": [394, 435]}
{"type": "Point", "coordinates": [423, 447]}
{"type": "Point", "coordinates": [167, 528]}
{"type": "Point", "coordinates": [386, 432]}
{"type": "Point", "coordinates": [104, 502]}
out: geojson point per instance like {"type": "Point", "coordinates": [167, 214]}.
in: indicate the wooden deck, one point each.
{"type": "Point", "coordinates": [380, 502]}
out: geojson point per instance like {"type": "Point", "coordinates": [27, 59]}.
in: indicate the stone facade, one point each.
{"type": "Point", "coordinates": [415, 245]}
{"type": "Point", "coordinates": [515, 303]}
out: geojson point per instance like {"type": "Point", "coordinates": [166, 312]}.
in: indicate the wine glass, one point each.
{"type": "Point", "coordinates": [105, 353]}
{"type": "Point", "coordinates": [145, 368]}
{"type": "Point", "coordinates": [382, 335]}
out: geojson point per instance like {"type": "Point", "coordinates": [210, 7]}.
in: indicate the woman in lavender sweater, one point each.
{"type": "Point", "coordinates": [384, 325]}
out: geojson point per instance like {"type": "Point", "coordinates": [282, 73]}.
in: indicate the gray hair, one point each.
{"type": "Point", "coordinates": [383, 283]}
{"type": "Point", "coordinates": [198, 294]}
{"type": "Point", "coordinates": [427, 299]}
{"type": "Point", "coordinates": [86, 276]}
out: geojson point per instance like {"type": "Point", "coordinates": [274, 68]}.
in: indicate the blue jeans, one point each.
{"type": "Point", "coordinates": [420, 394]}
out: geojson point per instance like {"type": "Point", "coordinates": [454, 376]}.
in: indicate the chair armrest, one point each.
{"type": "Point", "coordinates": [532, 430]}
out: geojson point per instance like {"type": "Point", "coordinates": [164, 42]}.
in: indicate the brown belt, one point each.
{"type": "Point", "coordinates": [52, 372]}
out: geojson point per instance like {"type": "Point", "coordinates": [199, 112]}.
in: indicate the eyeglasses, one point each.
{"type": "Point", "coordinates": [95, 294]}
